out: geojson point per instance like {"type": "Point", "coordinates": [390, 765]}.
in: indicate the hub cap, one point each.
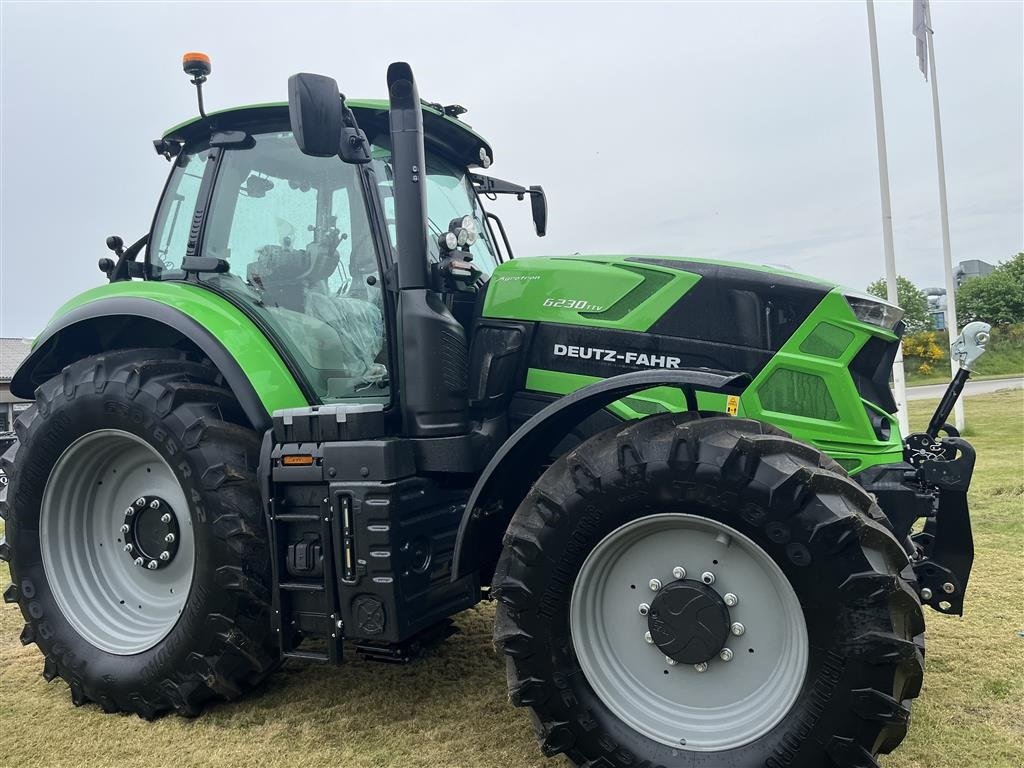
{"type": "Point", "coordinates": [710, 665]}
{"type": "Point", "coordinates": [689, 622]}
{"type": "Point", "coordinates": [107, 568]}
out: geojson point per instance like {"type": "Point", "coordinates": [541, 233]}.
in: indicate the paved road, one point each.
{"type": "Point", "coordinates": [984, 387]}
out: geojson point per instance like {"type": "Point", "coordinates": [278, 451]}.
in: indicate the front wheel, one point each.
{"type": "Point", "coordinates": [703, 592]}
{"type": "Point", "coordinates": [136, 537]}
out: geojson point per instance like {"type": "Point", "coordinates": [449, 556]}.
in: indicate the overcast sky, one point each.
{"type": "Point", "coordinates": [734, 130]}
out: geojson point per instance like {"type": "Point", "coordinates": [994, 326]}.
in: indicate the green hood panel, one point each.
{"type": "Point", "coordinates": [273, 382]}
{"type": "Point", "coordinates": [617, 292]}
{"type": "Point", "coordinates": [599, 294]}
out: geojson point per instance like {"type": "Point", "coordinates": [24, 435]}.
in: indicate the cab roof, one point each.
{"type": "Point", "coordinates": [442, 133]}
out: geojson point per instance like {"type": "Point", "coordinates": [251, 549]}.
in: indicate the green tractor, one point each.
{"type": "Point", "coordinates": [319, 406]}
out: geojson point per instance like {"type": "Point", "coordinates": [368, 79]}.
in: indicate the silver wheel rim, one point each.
{"type": "Point", "coordinates": [733, 702]}
{"type": "Point", "coordinates": [113, 603]}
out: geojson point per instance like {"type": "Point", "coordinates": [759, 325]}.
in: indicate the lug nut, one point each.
{"type": "Point", "coordinates": [926, 594]}
{"type": "Point", "coordinates": [644, 609]}
{"type": "Point", "coordinates": [648, 638]}
{"type": "Point", "coordinates": [153, 565]}
{"type": "Point", "coordinates": [670, 661]}
{"type": "Point", "coordinates": [140, 502]}
{"type": "Point", "coordinates": [140, 562]}
{"type": "Point", "coordinates": [726, 654]}
{"type": "Point", "coordinates": [165, 556]}
{"type": "Point", "coordinates": [737, 629]}
{"type": "Point", "coordinates": [731, 600]}
{"type": "Point", "coordinates": [702, 667]}
{"type": "Point", "coordinates": [169, 538]}
{"type": "Point", "coordinates": [654, 584]}
{"type": "Point", "coordinates": [154, 504]}
{"type": "Point", "coordinates": [679, 572]}
{"type": "Point", "coordinates": [128, 547]}
{"type": "Point", "coordinates": [708, 578]}
{"type": "Point", "coordinates": [125, 528]}
{"type": "Point", "coordinates": [129, 512]}
{"type": "Point", "coordinates": [948, 588]}
{"type": "Point", "coordinates": [165, 518]}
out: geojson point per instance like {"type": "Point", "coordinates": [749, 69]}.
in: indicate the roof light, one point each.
{"type": "Point", "coordinates": [196, 64]}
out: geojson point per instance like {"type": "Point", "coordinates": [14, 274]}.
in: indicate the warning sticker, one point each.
{"type": "Point", "coordinates": [732, 405]}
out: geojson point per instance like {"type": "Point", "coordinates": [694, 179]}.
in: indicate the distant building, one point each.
{"type": "Point", "coordinates": [970, 269]}
{"type": "Point", "coordinates": [962, 272]}
{"type": "Point", "coordinates": [937, 307]}
{"type": "Point", "coordinates": [12, 352]}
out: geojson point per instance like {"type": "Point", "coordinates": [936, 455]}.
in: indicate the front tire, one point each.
{"type": "Point", "coordinates": [831, 651]}
{"type": "Point", "coordinates": [137, 546]}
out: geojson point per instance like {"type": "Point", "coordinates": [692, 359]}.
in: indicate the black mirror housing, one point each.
{"type": "Point", "coordinates": [539, 207]}
{"type": "Point", "coordinates": [314, 108]}
{"type": "Point", "coordinates": [321, 123]}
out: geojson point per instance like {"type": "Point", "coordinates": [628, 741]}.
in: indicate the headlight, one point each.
{"type": "Point", "coordinates": [871, 309]}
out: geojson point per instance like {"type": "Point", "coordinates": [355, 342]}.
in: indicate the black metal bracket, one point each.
{"type": "Point", "coordinates": [945, 550]}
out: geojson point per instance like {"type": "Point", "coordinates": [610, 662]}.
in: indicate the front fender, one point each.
{"type": "Point", "coordinates": [479, 535]}
{"type": "Point", "coordinates": [143, 314]}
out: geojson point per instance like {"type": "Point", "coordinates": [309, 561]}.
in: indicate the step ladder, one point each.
{"type": "Point", "coordinates": [305, 608]}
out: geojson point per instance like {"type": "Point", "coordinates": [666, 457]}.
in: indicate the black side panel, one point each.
{"type": "Point", "coordinates": [604, 352]}
{"type": "Point", "coordinates": [389, 542]}
{"type": "Point", "coordinates": [733, 305]}
{"type": "Point", "coordinates": [118, 323]}
{"type": "Point", "coordinates": [494, 363]}
{"type": "Point", "coordinates": [870, 370]}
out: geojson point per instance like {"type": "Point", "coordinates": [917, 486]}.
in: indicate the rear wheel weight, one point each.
{"type": "Point", "coordinates": [138, 546]}
{"type": "Point", "coordinates": [789, 515]}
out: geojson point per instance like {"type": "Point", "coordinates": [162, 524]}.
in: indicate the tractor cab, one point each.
{"type": "Point", "coordinates": [308, 243]}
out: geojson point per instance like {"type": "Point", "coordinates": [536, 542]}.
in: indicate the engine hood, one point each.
{"type": "Point", "coordinates": [655, 294]}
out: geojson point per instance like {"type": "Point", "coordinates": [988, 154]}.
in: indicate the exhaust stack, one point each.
{"type": "Point", "coordinates": [409, 165]}
{"type": "Point", "coordinates": [433, 352]}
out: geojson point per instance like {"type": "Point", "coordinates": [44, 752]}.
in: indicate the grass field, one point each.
{"type": "Point", "coordinates": [450, 709]}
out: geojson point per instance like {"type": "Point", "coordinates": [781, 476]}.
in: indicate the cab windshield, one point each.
{"type": "Point", "coordinates": [450, 196]}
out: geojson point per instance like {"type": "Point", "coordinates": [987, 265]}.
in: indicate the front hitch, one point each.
{"type": "Point", "coordinates": [944, 550]}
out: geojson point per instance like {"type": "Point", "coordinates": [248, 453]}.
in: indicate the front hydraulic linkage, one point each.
{"type": "Point", "coordinates": [944, 550]}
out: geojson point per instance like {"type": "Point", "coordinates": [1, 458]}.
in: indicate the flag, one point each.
{"type": "Point", "coordinates": [921, 16]}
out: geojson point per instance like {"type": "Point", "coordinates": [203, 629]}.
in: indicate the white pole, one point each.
{"type": "Point", "coordinates": [947, 254]}
{"type": "Point", "coordinates": [898, 378]}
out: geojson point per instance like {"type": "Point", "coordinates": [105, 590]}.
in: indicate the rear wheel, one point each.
{"type": "Point", "coordinates": [137, 545]}
{"type": "Point", "coordinates": [703, 592]}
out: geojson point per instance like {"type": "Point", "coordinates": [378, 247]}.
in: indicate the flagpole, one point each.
{"type": "Point", "coordinates": [947, 252]}
{"type": "Point", "coordinates": [898, 378]}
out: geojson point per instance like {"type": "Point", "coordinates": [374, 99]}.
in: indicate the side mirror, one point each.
{"type": "Point", "coordinates": [314, 108]}
{"type": "Point", "coordinates": [321, 123]}
{"type": "Point", "coordinates": [539, 206]}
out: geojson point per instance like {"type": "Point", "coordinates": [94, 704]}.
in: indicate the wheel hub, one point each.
{"type": "Point", "coordinates": [151, 533]}
{"type": "Point", "coordinates": [689, 621]}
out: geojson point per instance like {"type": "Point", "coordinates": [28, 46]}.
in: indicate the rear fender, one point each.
{"type": "Point", "coordinates": [251, 368]}
{"type": "Point", "coordinates": [507, 476]}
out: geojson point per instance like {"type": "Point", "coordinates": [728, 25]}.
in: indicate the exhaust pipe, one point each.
{"type": "Point", "coordinates": [409, 166]}
{"type": "Point", "coordinates": [433, 352]}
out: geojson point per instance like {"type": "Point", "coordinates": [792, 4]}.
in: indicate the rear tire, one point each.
{"type": "Point", "coordinates": [184, 617]}
{"type": "Point", "coordinates": [792, 509]}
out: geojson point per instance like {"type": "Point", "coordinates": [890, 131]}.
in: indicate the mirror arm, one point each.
{"type": "Point", "coordinates": [489, 185]}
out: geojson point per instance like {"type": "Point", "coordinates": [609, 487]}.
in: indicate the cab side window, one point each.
{"type": "Point", "coordinates": [169, 238]}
